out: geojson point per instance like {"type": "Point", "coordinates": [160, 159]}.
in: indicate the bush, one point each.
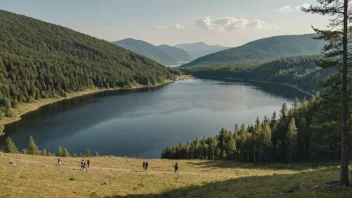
{"type": "Point", "coordinates": [9, 113]}
{"type": "Point", "coordinates": [44, 152]}
{"type": "Point", "coordinates": [2, 115]}
{"type": "Point", "coordinates": [24, 151]}
{"type": "Point", "coordinates": [96, 153]}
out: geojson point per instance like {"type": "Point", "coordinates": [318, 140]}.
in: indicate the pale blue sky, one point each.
{"type": "Point", "coordinates": [225, 22]}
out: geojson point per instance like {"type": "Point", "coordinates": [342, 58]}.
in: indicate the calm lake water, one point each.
{"type": "Point", "coordinates": [141, 123]}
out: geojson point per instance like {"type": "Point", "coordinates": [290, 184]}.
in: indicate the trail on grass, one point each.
{"type": "Point", "coordinates": [95, 168]}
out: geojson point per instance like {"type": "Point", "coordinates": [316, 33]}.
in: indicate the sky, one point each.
{"type": "Point", "coordinates": [224, 22]}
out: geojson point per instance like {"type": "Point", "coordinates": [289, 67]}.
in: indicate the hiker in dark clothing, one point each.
{"type": "Point", "coordinates": [83, 165]}
{"type": "Point", "coordinates": [176, 168]}
{"type": "Point", "coordinates": [59, 161]}
{"type": "Point", "coordinates": [88, 163]}
{"type": "Point", "coordinates": [146, 166]}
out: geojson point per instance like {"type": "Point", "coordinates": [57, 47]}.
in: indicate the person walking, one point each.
{"type": "Point", "coordinates": [59, 161]}
{"type": "Point", "coordinates": [88, 163]}
{"type": "Point", "coordinates": [146, 166]}
{"type": "Point", "coordinates": [83, 165]}
{"type": "Point", "coordinates": [176, 168]}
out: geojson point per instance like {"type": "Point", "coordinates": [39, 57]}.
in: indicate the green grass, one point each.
{"type": "Point", "coordinates": [38, 176]}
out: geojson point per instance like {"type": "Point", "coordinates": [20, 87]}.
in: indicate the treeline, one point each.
{"type": "Point", "coordinates": [43, 60]}
{"type": "Point", "coordinates": [301, 72]}
{"type": "Point", "coordinates": [303, 132]}
{"type": "Point", "coordinates": [33, 149]}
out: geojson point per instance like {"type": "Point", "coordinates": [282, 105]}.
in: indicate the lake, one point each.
{"type": "Point", "coordinates": [140, 123]}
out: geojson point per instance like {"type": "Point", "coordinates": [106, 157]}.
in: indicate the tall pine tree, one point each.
{"type": "Point", "coordinates": [336, 56]}
{"type": "Point", "coordinates": [292, 137]}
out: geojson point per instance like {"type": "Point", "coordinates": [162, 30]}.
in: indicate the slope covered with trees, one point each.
{"type": "Point", "coordinates": [301, 72]}
{"type": "Point", "coordinates": [263, 50]}
{"type": "Point", "coordinates": [42, 60]}
{"type": "Point", "coordinates": [200, 49]}
{"type": "Point", "coordinates": [162, 54]}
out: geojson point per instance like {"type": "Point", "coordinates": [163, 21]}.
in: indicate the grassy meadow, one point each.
{"type": "Point", "coordinates": [108, 176]}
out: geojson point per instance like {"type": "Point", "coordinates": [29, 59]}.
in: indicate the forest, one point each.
{"type": "Point", "coordinates": [304, 132]}
{"type": "Point", "coordinates": [300, 71]}
{"type": "Point", "coordinates": [42, 60]}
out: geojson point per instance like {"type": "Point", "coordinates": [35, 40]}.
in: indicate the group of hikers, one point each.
{"type": "Point", "coordinates": [146, 164]}
{"type": "Point", "coordinates": [85, 165]}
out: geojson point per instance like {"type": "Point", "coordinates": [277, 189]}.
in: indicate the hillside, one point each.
{"type": "Point", "coordinates": [42, 60]}
{"type": "Point", "coordinates": [177, 54]}
{"type": "Point", "coordinates": [263, 50]}
{"type": "Point", "coordinates": [163, 54]}
{"type": "Point", "coordinates": [300, 72]}
{"type": "Point", "coordinates": [199, 49]}
{"type": "Point", "coordinates": [39, 176]}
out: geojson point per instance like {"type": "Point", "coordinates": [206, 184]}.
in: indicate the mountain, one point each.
{"type": "Point", "coordinates": [263, 50]}
{"type": "Point", "coordinates": [43, 60]}
{"type": "Point", "coordinates": [298, 71]}
{"type": "Point", "coordinates": [199, 49]}
{"type": "Point", "coordinates": [178, 54]}
{"type": "Point", "coordinates": [163, 54]}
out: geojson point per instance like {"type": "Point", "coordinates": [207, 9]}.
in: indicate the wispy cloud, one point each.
{"type": "Point", "coordinates": [231, 24]}
{"type": "Point", "coordinates": [176, 26]}
{"type": "Point", "coordinates": [290, 8]}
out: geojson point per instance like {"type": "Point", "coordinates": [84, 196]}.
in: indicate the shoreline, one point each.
{"type": "Point", "coordinates": [260, 81]}
{"type": "Point", "coordinates": [24, 108]}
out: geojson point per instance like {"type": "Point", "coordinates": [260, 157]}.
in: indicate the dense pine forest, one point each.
{"type": "Point", "coordinates": [43, 60]}
{"type": "Point", "coordinates": [304, 132]}
{"type": "Point", "coordinates": [301, 72]}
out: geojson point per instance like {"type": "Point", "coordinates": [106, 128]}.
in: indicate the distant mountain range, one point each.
{"type": "Point", "coordinates": [163, 54]}
{"type": "Point", "coordinates": [264, 50]}
{"type": "Point", "coordinates": [197, 50]}
{"type": "Point", "coordinates": [169, 55]}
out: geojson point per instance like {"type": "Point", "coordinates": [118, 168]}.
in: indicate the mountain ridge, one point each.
{"type": "Point", "coordinates": [163, 54]}
{"type": "Point", "coordinates": [265, 49]}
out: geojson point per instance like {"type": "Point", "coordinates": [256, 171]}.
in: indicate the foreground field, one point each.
{"type": "Point", "coordinates": [38, 176]}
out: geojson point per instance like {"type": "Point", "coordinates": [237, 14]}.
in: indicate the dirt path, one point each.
{"type": "Point", "coordinates": [94, 168]}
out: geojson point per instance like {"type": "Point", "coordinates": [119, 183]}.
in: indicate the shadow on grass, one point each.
{"type": "Point", "coordinates": [311, 184]}
{"type": "Point", "coordinates": [274, 166]}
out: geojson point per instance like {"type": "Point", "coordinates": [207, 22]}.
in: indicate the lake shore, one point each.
{"type": "Point", "coordinates": [267, 82]}
{"type": "Point", "coordinates": [185, 77]}
{"type": "Point", "coordinates": [24, 108]}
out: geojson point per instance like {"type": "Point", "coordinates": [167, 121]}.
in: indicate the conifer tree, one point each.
{"type": "Point", "coordinates": [65, 152]}
{"type": "Point", "coordinates": [266, 140]}
{"type": "Point", "coordinates": [10, 146]}
{"type": "Point", "coordinates": [60, 152]}
{"type": "Point", "coordinates": [303, 137]}
{"type": "Point", "coordinates": [88, 152]}
{"type": "Point", "coordinates": [336, 55]}
{"type": "Point", "coordinates": [292, 136]}
{"type": "Point", "coordinates": [230, 147]}
{"type": "Point", "coordinates": [32, 147]}
{"type": "Point", "coordinates": [44, 152]}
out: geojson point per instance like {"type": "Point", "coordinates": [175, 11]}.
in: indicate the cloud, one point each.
{"type": "Point", "coordinates": [286, 8]}
{"type": "Point", "coordinates": [305, 5]}
{"type": "Point", "coordinates": [231, 24]}
{"type": "Point", "coordinates": [173, 27]}
{"type": "Point", "coordinates": [289, 8]}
